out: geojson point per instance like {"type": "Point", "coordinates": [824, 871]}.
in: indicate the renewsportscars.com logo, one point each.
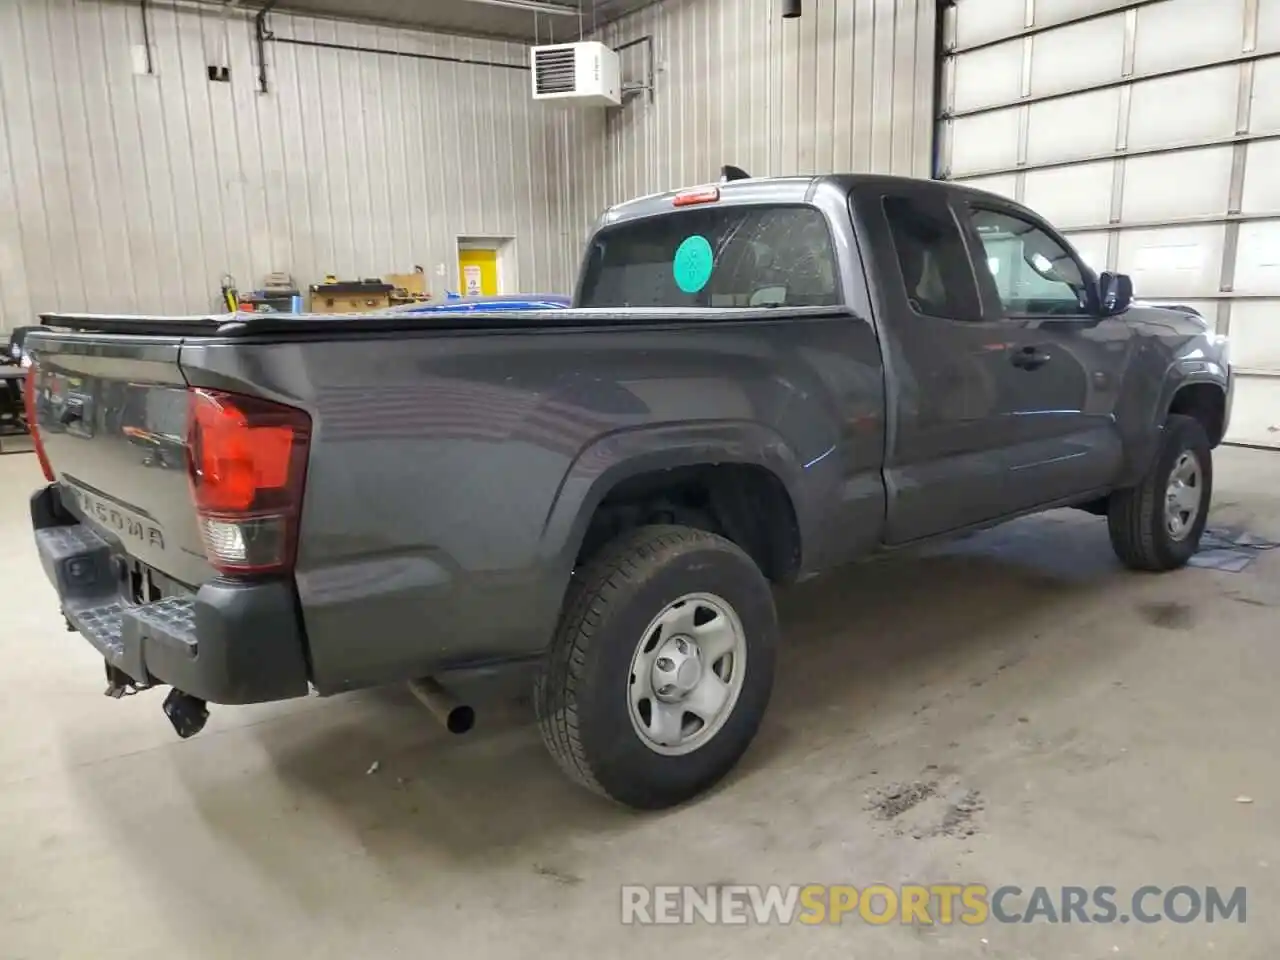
{"type": "Point", "coordinates": [944, 904]}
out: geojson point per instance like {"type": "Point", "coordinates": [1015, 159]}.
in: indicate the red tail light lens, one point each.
{"type": "Point", "coordinates": [247, 459]}
{"type": "Point", "coordinates": [33, 426]}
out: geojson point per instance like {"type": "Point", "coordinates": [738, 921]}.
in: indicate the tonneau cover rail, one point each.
{"type": "Point", "coordinates": [258, 324]}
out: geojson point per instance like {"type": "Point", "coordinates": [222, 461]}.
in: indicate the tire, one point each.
{"type": "Point", "coordinates": [593, 672]}
{"type": "Point", "coordinates": [1136, 517]}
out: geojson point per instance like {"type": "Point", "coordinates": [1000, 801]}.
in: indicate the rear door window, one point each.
{"type": "Point", "coordinates": [718, 257]}
{"type": "Point", "coordinates": [937, 274]}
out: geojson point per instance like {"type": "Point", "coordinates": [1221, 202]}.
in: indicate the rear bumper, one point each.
{"type": "Point", "coordinates": [228, 643]}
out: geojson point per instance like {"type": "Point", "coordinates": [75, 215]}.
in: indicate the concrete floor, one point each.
{"type": "Point", "coordinates": [1107, 721]}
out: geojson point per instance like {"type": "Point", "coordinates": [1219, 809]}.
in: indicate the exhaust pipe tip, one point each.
{"type": "Point", "coordinates": [460, 719]}
{"type": "Point", "coordinates": [456, 717]}
{"type": "Point", "coordinates": [188, 714]}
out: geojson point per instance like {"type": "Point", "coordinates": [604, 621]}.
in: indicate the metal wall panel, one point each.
{"type": "Point", "coordinates": [1150, 131]}
{"type": "Point", "coordinates": [127, 192]}
{"type": "Point", "coordinates": [847, 87]}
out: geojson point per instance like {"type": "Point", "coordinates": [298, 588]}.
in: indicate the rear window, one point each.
{"type": "Point", "coordinates": [717, 257]}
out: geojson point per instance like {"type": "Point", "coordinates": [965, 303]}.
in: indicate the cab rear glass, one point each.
{"type": "Point", "coordinates": [717, 257]}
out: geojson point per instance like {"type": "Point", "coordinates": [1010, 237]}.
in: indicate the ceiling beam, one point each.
{"type": "Point", "coordinates": [533, 6]}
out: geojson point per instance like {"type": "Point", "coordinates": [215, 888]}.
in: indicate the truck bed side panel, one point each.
{"type": "Point", "coordinates": [431, 535]}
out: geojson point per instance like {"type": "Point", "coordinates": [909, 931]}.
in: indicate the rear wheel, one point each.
{"type": "Point", "coordinates": [1157, 525]}
{"type": "Point", "coordinates": [661, 669]}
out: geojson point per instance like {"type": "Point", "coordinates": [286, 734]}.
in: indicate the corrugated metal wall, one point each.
{"type": "Point", "coordinates": [124, 192]}
{"type": "Point", "coordinates": [846, 87]}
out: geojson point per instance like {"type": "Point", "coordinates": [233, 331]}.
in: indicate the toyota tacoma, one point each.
{"type": "Point", "coordinates": [758, 380]}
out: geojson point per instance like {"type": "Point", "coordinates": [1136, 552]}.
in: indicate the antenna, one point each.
{"type": "Point", "coordinates": [729, 173]}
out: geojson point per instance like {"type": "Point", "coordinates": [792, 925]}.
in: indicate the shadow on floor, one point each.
{"type": "Point", "coordinates": [852, 640]}
{"type": "Point", "coordinates": [856, 642]}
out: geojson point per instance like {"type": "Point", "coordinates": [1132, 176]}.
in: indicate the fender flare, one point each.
{"type": "Point", "coordinates": [1185, 373]}
{"type": "Point", "coordinates": [619, 455]}
{"type": "Point", "coordinates": [1180, 373]}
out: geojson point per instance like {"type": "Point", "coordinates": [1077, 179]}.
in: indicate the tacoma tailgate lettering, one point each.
{"type": "Point", "coordinates": [127, 524]}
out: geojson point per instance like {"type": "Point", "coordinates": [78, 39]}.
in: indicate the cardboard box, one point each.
{"type": "Point", "coordinates": [350, 296]}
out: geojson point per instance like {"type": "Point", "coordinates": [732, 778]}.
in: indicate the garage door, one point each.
{"type": "Point", "coordinates": [1149, 131]}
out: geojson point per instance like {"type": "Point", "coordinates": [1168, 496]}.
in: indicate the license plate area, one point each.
{"type": "Point", "coordinates": [141, 584]}
{"type": "Point", "coordinates": [138, 582]}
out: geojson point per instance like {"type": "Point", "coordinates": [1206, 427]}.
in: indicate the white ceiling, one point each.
{"type": "Point", "coordinates": [474, 17]}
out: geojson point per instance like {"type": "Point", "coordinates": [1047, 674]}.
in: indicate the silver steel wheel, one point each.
{"type": "Point", "coordinates": [686, 674]}
{"type": "Point", "coordinates": [1183, 496]}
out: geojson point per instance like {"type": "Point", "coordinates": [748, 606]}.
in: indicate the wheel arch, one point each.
{"type": "Point", "coordinates": [1188, 387]}
{"type": "Point", "coordinates": [623, 457]}
{"type": "Point", "coordinates": [1204, 400]}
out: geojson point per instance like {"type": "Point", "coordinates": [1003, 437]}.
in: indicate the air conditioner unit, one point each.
{"type": "Point", "coordinates": [579, 73]}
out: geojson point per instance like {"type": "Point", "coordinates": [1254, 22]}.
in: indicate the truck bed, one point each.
{"type": "Point", "coordinates": [454, 460]}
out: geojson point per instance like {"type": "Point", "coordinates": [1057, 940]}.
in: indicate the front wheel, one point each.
{"type": "Point", "coordinates": [661, 669]}
{"type": "Point", "coordinates": [1157, 525]}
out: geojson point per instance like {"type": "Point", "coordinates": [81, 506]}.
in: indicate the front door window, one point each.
{"type": "Point", "coordinates": [1034, 274]}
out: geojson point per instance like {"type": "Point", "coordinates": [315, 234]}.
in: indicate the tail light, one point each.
{"type": "Point", "coordinates": [247, 460]}
{"type": "Point", "coordinates": [33, 425]}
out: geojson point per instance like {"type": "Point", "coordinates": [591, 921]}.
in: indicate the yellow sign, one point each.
{"type": "Point", "coordinates": [478, 272]}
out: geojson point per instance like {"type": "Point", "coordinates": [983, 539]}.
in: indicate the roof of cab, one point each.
{"type": "Point", "coordinates": [752, 190]}
{"type": "Point", "coordinates": [773, 190]}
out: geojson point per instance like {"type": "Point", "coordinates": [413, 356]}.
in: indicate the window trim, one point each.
{"type": "Point", "coordinates": [922, 197]}
{"type": "Point", "coordinates": [841, 301]}
{"type": "Point", "coordinates": [987, 283]}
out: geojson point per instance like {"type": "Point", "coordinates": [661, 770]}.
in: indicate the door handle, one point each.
{"type": "Point", "coordinates": [1030, 358]}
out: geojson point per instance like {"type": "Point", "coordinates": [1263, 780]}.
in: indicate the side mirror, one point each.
{"type": "Point", "coordinates": [1115, 293]}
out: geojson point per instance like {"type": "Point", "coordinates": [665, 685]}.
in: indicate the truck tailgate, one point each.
{"type": "Point", "coordinates": [112, 416]}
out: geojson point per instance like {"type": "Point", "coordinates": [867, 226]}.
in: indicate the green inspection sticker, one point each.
{"type": "Point", "coordinates": [693, 263]}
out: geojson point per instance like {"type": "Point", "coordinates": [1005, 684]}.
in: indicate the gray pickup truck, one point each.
{"type": "Point", "coordinates": [760, 379]}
